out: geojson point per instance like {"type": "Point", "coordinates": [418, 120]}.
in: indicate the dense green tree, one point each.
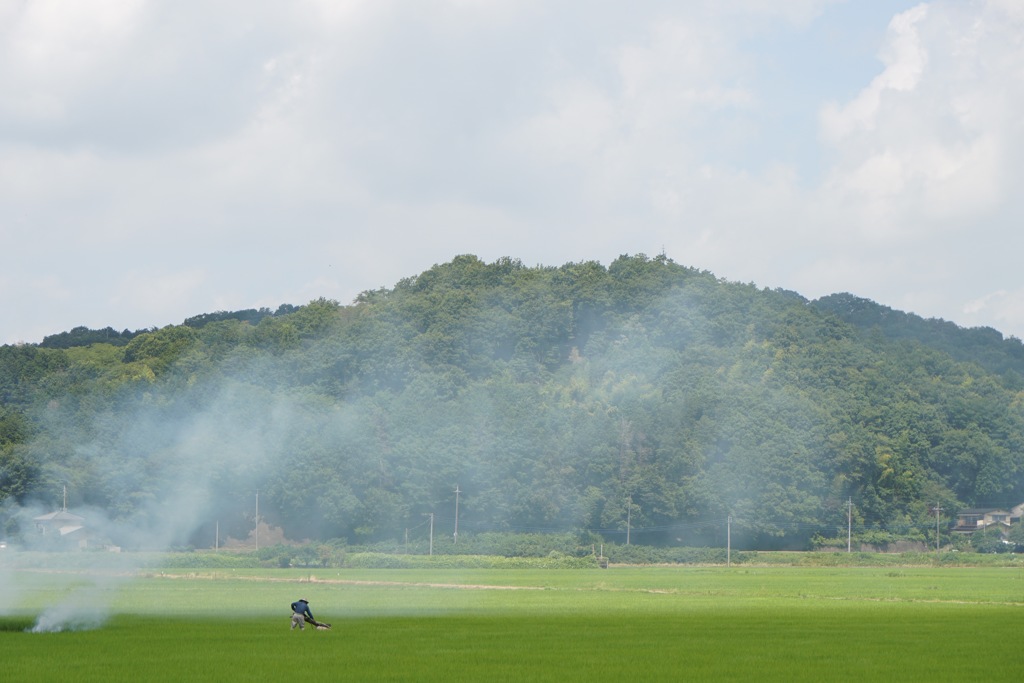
{"type": "Point", "coordinates": [644, 393]}
{"type": "Point", "coordinates": [160, 348]}
{"type": "Point", "coordinates": [83, 336]}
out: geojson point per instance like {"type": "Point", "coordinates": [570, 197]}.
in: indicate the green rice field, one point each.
{"type": "Point", "coordinates": [619, 624]}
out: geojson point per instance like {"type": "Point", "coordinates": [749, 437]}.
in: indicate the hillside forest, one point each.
{"type": "Point", "coordinates": [643, 396]}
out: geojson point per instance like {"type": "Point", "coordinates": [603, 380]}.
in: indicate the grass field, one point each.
{"type": "Point", "coordinates": [653, 623]}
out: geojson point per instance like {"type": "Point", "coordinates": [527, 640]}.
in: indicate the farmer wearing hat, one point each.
{"type": "Point", "coordinates": [300, 611]}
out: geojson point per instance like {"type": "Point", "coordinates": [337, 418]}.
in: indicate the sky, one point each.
{"type": "Point", "coordinates": [159, 160]}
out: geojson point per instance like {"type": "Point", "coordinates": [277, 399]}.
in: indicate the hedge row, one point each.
{"type": "Point", "coordinates": [386, 561]}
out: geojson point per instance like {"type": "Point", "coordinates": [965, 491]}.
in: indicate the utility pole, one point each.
{"type": "Point", "coordinates": [629, 517]}
{"type": "Point", "coordinates": [849, 523]}
{"type": "Point", "coordinates": [431, 515]}
{"type": "Point", "coordinates": [257, 519]}
{"type": "Point", "coordinates": [937, 511]}
{"type": "Point", "coordinates": [728, 541]}
{"type": "Point", "coordinates": [456, 541]}
{"type": "Point", "coordinates": [216, 537]}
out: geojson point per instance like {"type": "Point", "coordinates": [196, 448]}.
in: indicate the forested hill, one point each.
{"type": "Point", "coordinates": [580, 397]}
{"type": "Point", "coordinates": [982, 345]}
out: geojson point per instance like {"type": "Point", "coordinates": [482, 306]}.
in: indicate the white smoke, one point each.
{"type": "Point", "coordinates": [190, 450]}
{"type": "Point", "coordinates": [82, 610]}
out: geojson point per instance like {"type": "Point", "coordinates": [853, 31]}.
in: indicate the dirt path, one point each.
{"type": "Point", "coordinates": [345, 582]}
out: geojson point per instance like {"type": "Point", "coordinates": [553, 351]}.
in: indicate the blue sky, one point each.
{"type": "Point", "coordinates": [161, 160]}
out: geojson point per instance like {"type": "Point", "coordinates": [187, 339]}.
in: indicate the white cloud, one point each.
{"type": "Point", "coordinates": [905, 58]}
{"type": "Point", "coordinates": [1004, 309]}
{"type": "Point", "coordinates": [51, 51]}
{"type": "Point", "coordinates": [924, 154]}
{"type": "Point", "coordinates": [251, 154]}
{"type": "Point", "coordinates": [142, 292]}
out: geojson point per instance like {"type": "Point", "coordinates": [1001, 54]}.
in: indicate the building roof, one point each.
{"type": "Point", "coordinates": [60, 516]}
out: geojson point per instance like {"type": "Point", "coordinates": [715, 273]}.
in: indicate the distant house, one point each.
{"type": "Point", "coordinates": [62, 526]}
{"type": "Point", "coordinates": [980, 519]}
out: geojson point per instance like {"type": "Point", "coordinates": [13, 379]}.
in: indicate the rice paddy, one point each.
{"type": "Point", "coordinates": [650, 623]}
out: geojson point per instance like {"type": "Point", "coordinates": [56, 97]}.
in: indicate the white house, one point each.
{"type": "Point", "coordinates": [63, 525]}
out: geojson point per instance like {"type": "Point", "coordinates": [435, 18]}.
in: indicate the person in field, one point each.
{"type": "Point", "coordinates": [300, 610]}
